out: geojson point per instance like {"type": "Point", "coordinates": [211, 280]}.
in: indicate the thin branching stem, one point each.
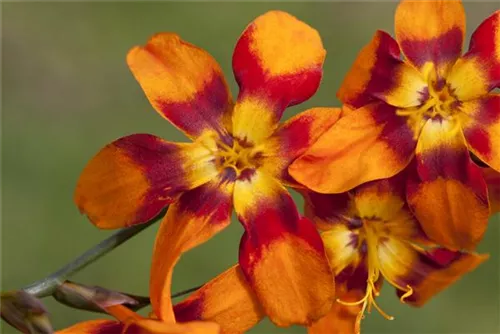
{"type": "Point", "coordinates": [47, 286]}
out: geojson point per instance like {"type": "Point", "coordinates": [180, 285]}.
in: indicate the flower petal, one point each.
{"type": "Point", "coordinates": [492, 178]}
{"type": "Point", "coordinates": [431, 31]}
{"type": "Point", "coordinates": [447, 193]}
{"type": "Point", "coordinates": [282, 255]}
{"type": "Point", "coordinates": [95, 327]}
{"type": "Point", "coordinates": [183, 83]}
{"type": "Point", "coordinates": [341, 319]}
{"type": "Point", "coordinates": [293, 138]}
{"type": "Point", "coordinates": [132, 179]}
{"type": "Point", "coordinates": [368, 144]}
{"type": "Point", "coordinates": [478, 71]}
{"type": "Point", "coordinates": [326, 210]}
{"type": "Point", "coordinates": [227, 300]}
{"type": "Point", "coordinates": [279, 57]}
{"type": "Point", "coordinates": [192, 220]}
{"type": "Point", "coordinates": [136, 324]}
{"type": "Point", "coordinates": [378, 73]}
{"type": "Point", "coordinates": [481, 125]}
{"type": "Point", "coordinates": [277, 63]}
{"type": "Point", "coordinates": [432, 271]}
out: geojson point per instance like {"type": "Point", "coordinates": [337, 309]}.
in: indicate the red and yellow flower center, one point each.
{"type": "Point", "coordinates": [438, 101]}
{"type": "Point", "coordinates": [231, 155]}
{"type": "Point", "coordinates": [240, 156]}
{"type": "Point", "coordinates": [371, 235]}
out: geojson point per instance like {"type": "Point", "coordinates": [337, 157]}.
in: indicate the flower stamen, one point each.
{"type": "Point", "coordinates": [440, 102]}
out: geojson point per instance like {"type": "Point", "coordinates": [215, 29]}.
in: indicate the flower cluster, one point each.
{"type": "Point", "coordinates": [399, 182]}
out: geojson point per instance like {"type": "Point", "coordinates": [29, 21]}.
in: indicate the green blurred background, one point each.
{"type": "Point", "coordinates": [67, 91]}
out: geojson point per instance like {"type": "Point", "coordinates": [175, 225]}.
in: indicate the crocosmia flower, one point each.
{"type": "Point", "coordinates": [371, 236]}
{"type": "Point", "coordinates": [433, 105]}
{"type": "Point", "coordinates": [238, 158]}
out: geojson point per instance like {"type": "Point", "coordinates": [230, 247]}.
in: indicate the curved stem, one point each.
{"type": "Point", "coordinates": [46, 286]}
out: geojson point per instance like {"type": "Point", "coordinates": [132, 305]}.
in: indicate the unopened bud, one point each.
{"type": "Point", "coordinates": [95, 298]}
{"type": "Point", "coordinates": [25, 312]}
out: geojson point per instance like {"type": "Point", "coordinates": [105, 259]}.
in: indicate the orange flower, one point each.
{"type": "Point", "coordinates": [435, 105]}
{"type": "Point", "coordinates": [371, 236]}
{"type": "Point", "coordinates": [239, 157]}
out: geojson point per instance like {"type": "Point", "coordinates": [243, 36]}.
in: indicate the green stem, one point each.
{"type": "Point", "coordinates": [47, 286]}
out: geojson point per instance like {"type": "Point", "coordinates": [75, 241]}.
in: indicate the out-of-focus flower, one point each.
{"type": "Point", "coordinates": [434, 104]}
{"type": "Point", "coordinates": [239, 157]}
{"type": "Point", "coordinates": [371, 236]}
{"type": "Point", "coordinates": [24, 312]}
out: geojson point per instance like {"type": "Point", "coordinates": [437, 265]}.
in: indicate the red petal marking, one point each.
{"type": "Point", "coordinates": [446, 191]}
{"type": "Point", "coordinates": [197, 216]}
{"type": "Point", "coordinates": [379, 73]}
{"type": "Point", "coordinates": [482, 128]}
{"type": "Point", "coordinates": [279, 59]}
{"type": "Point", "coordinates": [325, 209]}
{"type": "Point", "coordinates": [485, 45]}
{"type": "Point", "coordinates": [183, 83]}
{"type": "Point", "coordinates": [444, 49]}
{"type": "Point", "coordinates": [281, 255]}
{"type": "Point", "coordinates": [132, 179]}
{"type": "Point", "coordinates": [431, 31]}
{"type": "Point", "coordinates": [208, 109]}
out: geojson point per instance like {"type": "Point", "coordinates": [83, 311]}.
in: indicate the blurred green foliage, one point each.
{"type": "Point", "coordinates": [67, 91]}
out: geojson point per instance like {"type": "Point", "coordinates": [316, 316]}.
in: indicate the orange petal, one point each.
{"type": "Point", "coordinates": [431, 31]}
{"type": "Point", "coordinates": [367, 144]}
{"type": "Point", "coordinates": [447, 193]}
{"type": "Point", "coordinates": [379, 74]}
{"type": "Point", "coordinates": [132, 179]}
{"type": "Point", "coordinates": [227, 300]}
{"type": "Point", "coordinates": [341, 319]}
{"type": "Point", "coordinates": [277, 63]}
{"type": "Point", "coordinates": [193, 219]}
{"type": "Point", "coordinates": [281, 255]}
{"type": "Point", "coordinates": [478, 71]}
{"type": "Point", "coordinates": [136, 324]}
{"type": "Point", "coordinates": [95, 327]}
{"type": "Point", "coordinates": [481, 125]}
{"type": "Point", "coordinates": [434, 270]}
{"type": "Point", "coordinates": [293, 138]}
{"type": "Point", "coordinates": [492, 178]}
{"type": "Point", "coordinates": [183, 83]}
